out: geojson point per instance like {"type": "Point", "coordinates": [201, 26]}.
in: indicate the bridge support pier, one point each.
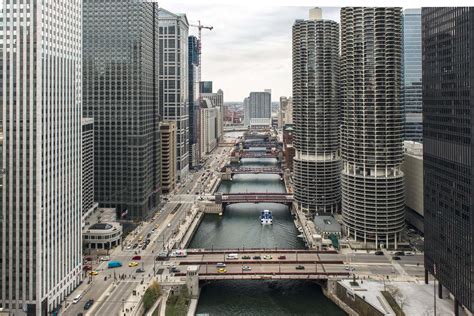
{"type": "Point", "coordinates": [192, 280]}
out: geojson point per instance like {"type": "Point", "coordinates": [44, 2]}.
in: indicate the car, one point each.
{"type": "Point", "coordinates": [88, 258]}
{"type": "Point", "coordinates": [144, 247]}
{"type": "Point", "coordinates": [267, 257]}
{"type": "Point", "coordinates": [128, 247]}
{"type": "Point", "coordinates": [104, 258]}
{"type": "Point", "coordinates": [257, 257]}
{"type": "Point", "coordinates": [395, 258]}
{"type": "Point", "coordinates": [246, 268]}
{"type": "Point", "coordinates": [409, 253]}
{"type": "Point", "coordinates": [87, 268]}
{"type": "Point", "coordinates": [136, 258]}
{"type": "Point", "coordinates": [169, 225]}
{"type": "Point", "coordinates": [133, 264]}
{"type": "Point", "coordinates": [399, 253]}
{"type": "Point", "coordinates": [281, 257]}
{"type": "Point", "coordinates": [300, 267]}
{"type": "Point", "coordinates": [245, 257]}
{"type": "Point", "coordinates": [88, 304]}
{"type": "Point", "coordinates": [174, 270]}
{"type": "Point", "coordinates": [379, 253]}
{"type": "Point", "coordinates": [93, 273]}
{"type": "Point", "coordinates": [140, 270]}
{"type": "Point", "coordinates": [220, 265]}
{"type": "Point", "coordinates": [135, 246]}
{"type": "Point", "coordinates": [221, 270]}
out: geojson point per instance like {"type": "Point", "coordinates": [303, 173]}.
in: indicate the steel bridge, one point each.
{"type": "Point", "coordinates": [267, 170]}
{"type": "Point", "coordinates": [264, 264]}
{"type": "Point", "coordinates": [229, 198]}
{"type": "Point", "coordinates": [257, 154]}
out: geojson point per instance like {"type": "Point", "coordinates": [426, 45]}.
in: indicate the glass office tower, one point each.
{"type": "Point", "coordinates": [411, 61]}
{"type": "Point", "coordinates": [448, 149]}
{"type": "Point", "coordinates": [121, 93]}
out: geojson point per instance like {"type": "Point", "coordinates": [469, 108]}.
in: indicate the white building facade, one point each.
{"type": "Point", "coordinates": [40, 219]}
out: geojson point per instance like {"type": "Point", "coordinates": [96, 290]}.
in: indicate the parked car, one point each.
{"type": "Point", "coordinates": [245, 257]}
{"type": "Point", "coordinates": [300, 267]}
{"type": "Point", "coordinates": [257, 257]}
{"type": "Point", "coordinates": [140, 270]}
{"type": "Point", "coordinates": [379, 253]}
{"type": "Point", "coordinates": [88, 304]}
{"type": "Point", "coordinates": [281, 257]}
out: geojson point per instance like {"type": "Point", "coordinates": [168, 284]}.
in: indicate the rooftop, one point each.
{"type": "Point", "coordinates": [327, 224]}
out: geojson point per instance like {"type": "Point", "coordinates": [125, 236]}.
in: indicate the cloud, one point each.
{"type": "Point", "coordinates": [250, 46]}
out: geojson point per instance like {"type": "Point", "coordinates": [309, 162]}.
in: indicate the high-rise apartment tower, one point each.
{"type": "Point", "coordinates": [317, 161]}
{"type": "Point", "coordinates": [41, 193]}
{"type": "Point", "coordinates": [373, 204]}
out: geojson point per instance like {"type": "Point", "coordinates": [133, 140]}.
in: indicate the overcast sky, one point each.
{"type": "Point", "coordinates": [249, 48]}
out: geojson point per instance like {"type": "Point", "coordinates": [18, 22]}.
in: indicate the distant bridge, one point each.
{"type": "Point", "coordinates": [258, 154]}
{"type": "Point", "coordinates": [267, 170]}
{"type": "Point", "coordinates": [268, 144]}
{"type": "Point", "coordinates": [229, 198]}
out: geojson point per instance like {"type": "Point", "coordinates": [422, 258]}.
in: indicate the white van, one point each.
{"type": "Point", "coordinates": [220, 265]}
{"type": "Point", "coordinates": [232, 256]}
{"type": "Point", "coordinates": [77, 298]}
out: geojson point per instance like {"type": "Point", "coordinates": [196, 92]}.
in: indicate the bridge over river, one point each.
{"type": "Point", "coordinates": [288, 264]}
{"type": "Point", "coordinates": [230, 198]}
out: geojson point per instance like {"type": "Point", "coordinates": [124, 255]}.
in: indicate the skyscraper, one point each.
{"type": "Point", "coordinates": [193, 86]}
{"type": "Point", "coordinates": [40, 219]}
{"type": "Point", "coordinates": [88, 204]}
{"type": "Point", "coordinates": [448, 150]}
{"type": "Point", "coordinates": [317, 161]}
{"type": "Point", "coordinates": [258, 105]}
{"type": "Point", "coordinates": [372, 182]}
{"type": "Point", "coordinates": [411, 61]}
{"type": "Point", "coordinates": [121, 94]}
{"type": "Point", "coordinates": [174, 93]}
{"type": "Point", "coordinates": [205, 86]}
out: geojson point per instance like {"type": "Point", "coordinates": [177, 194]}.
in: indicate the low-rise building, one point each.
{"type": "Point", "coordinates": [327, 225]}
{"type": "Point", "coordinates": [412, 167]}
{"type": "Point", "coordinates": [168, 156]}
{"type": "Point", "coordinates": [102, 235]}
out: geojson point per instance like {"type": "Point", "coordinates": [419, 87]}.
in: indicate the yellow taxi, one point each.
{"type": "Point", "coordinates": [133, 264]}
{"type": "Point", "coordinates": [93, 273]}
{"type": "Point", "coordinates": [221, 270]}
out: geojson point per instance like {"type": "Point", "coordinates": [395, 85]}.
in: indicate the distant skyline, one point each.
{"type": "Point", "coordinates": [249, 48]}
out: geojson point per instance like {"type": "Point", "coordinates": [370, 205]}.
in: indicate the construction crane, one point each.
{"type": "Point", "coordinates": [199, 26]}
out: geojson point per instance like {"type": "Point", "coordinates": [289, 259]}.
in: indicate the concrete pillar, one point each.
{"type": "Point", "coordinates": [376, 241]}
{"type": "Point", "coordinates": [426, 277]}
{"type": "Point", "coordinates": [386, 243]}
{"type": "Point", "coordinates": [395, 240]}
{"type": "Point", "coordinates": [456, 307]}
{"type": "Point", "coordinates": [192, 280]}
{"type": "Point", "coordinates": [440, 290]}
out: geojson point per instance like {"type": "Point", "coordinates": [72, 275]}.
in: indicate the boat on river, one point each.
{"type": "Point", "coordinates": [266, 217]}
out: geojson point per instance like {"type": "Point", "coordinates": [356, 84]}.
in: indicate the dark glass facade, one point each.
{"type": "Point", "coordinates": [193, 84]}
{"type": "Point", "coordinates": [120, 91]}
{"type": "Point", "coordinates": [448, 70]}
{"type": "Point", "coordinates": [205, 86]}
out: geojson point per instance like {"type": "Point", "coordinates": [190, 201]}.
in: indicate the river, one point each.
{"type": "Point", "coordinates": [240, 227]}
